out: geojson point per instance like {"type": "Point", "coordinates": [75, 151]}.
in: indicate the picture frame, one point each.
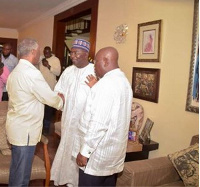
{"type": "Point", "coordinates": [192, 102]}
{"type": "Point", "coordinates": [148, 41]}
{"type": "Point", "coordinates": [145, 83]}
{"type": "Point", "coordinates": [144, 137]}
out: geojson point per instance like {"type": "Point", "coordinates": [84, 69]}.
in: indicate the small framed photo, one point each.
{"type": "Point", "coordinates": [148, 41]}
{"type": "Point", "coordinates": [144, 137]}
{"type": "Point", "coordinates": [145, 83]}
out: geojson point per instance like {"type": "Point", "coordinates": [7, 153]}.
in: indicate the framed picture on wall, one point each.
{"type": "Point", "coordinates": [192, 103]}
{"type": "Point", "coordinates": [145, 83]}
{"type": "Point", "coordinates": [148, 41]}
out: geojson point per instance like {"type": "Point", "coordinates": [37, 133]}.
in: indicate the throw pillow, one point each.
{"type": "Point", "coordinates": [3, 108]}
{"type": "Point", "coordinates": [6, 152]}
{"type": "Point", "coordinates": [186, 163]}
{"type": "Point", "coordinates": [3, 138]}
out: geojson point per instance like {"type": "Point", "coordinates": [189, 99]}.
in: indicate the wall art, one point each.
{"type": "Point", "coordinates": [145, 83]}
{"type": "Point", "coordinates": [192, 103]}
{"type": "Point", "coordinates": [148, 41]}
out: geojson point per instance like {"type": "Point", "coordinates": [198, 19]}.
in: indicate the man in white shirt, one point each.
{"type": "Point", "coordinates": [101, 139]}
{"type": "Point", "coordinates": [10, 61]}
{"type": "Point", "coordinates": [50, 67]}
{"type": "Point", "coordinates": [28, 92]}
{"type": "Point", "coordinates": [72, 85]}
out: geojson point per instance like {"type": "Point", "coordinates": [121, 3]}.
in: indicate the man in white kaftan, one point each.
{"type": "Point", "coordinates": [72, 85]}
{"type": "Point", "coordinates": [102, 134]}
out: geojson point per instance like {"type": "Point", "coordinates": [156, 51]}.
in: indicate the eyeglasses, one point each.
{"type": "Point", "coordinates": [76, 53]}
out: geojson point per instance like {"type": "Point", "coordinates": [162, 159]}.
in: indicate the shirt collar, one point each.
{"type": "Point", "coordinates": [23, 61]}
{"type": "Point", "coordinates": [112, 71]}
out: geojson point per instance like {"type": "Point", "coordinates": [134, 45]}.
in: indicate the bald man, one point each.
{"type": "Point", "coordinates": [100, 144]}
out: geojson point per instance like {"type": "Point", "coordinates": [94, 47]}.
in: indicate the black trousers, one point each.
{"type": "Point", "coordinates": [48, 115]}
{"type": "Point", "coordinates": [90, 180]}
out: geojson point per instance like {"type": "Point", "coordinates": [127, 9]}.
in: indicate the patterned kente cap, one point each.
{"type": "Point", "coordinates": [81, 44]}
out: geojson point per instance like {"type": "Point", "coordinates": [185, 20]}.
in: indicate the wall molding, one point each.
{"type": "Point", "coordinates": [58, 9]}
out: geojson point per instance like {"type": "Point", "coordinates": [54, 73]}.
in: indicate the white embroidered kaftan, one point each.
{"type": "Point", "coordinates": [103, 129]}
{"type": "Point", "coordinates": [72, 85]}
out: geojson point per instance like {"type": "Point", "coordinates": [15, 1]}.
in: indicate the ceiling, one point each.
{"type": "Point", "coordinates": [16, 13]}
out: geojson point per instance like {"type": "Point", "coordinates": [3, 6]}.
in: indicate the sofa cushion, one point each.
{"type": "Point", "coordinates": [149, 172]}
{"type": "Point", "coordinates": [38, 169]}
{"type": "Point", "coordinates": [186, 163]}
{"type": "Point", "coordinates": [4, 144]}
{"type": "Point", "coordinates": [6, 151]}
{"type": "Point", "coordinates": [177, 183]}
{"type": "Point", "coordinates": [3, 108]}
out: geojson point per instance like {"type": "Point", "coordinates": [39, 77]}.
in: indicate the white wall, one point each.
{"type": "Point", "coordinates": [173, 126]}
{"type": "Point", "coordinates": [8, 33]}
{"type": "Point", "coordinates": [41, 28]}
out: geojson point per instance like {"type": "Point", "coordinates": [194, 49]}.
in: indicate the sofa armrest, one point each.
{"type": "Point", "coordinates": [149, 172]}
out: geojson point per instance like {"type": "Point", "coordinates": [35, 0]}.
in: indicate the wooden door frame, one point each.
{"type": "Point", "coordinates": [85, 8]}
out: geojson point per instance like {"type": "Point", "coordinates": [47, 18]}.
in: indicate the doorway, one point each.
{"type": "Point", "coordinates": [76, 28]}
{"type": "Point", "coordinates": [85, 12]}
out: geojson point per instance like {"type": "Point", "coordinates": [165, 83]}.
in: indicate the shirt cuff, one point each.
{"type": "Point", "coordinates": [86, 151]}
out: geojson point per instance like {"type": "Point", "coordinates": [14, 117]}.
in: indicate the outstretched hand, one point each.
{"type": "Point", "coordinates": [92, 80]}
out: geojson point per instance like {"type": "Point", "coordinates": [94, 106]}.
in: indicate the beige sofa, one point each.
{"type": "Point", "coordinates": [151, 172]}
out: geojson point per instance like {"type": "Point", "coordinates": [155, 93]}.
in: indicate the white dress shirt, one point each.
{"type": "Point", "coordinates": [28, 92]}
{"type": "Point", "coordinates": [103, 130]}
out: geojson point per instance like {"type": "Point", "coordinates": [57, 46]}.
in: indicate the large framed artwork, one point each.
{"type": "Point", "coordinates": [145, 83]}
{"type": "Point", "coordinates": [192, 103]}
{"type": "Point", "coordinates": [148, 41]}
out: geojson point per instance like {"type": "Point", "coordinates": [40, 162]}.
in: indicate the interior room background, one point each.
{"type": "Point", "coordinates": [173, 126]}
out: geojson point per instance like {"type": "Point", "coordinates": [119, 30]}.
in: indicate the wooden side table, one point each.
{"type": "Point", "coordinates": [143, 154]}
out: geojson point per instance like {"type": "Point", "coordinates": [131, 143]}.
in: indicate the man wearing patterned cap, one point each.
{"type": "Point", "coordinates": [73, 86]}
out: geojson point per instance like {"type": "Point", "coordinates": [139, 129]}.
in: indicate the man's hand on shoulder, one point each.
{"type": "Point", "coordinates": [92, 80]}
